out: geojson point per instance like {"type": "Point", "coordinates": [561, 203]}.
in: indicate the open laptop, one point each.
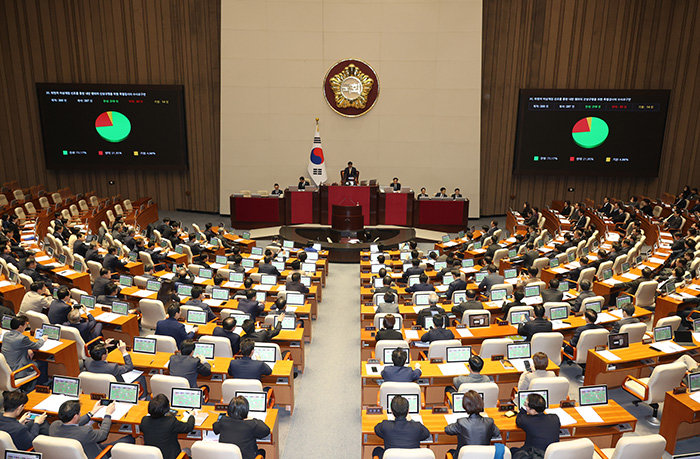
{"type": "Point", "coordinates": [413, 402]}
{"type": "Point", "coordinates": [510, 273]}
{"type": "Point", "coordinates": [522, 396]}
{"type": "Point", "coordinates": [206, 350]}
{"type": "Point", "coordinates": [51, 332]}
{"type": "Point", "coordinates": [144, 345]}
{"type": "Point", "coordinates": [6, 321]}
{"type": "Point", "coordinates": [387, 355]}
{"type": "Point", "coordinates": [295, 298]}
{"type": "Point", "coordinates": [422, 299]}
{"type": "Point", "coordinates": [664, 333]}
{"type": "Point", "coordinates": [428, 323]}
{"type": "Point", "coordinates": [439, 265]}
{"type": "Point", "coordinates": [532, 291]}
{"type": "Point", "coordinates": [120, 307]}
{"type": "Point", "coordinates": [220, 294]}
{"type": "Point", "coordinates": [14, 454]}
{"type": "Point", "coordinates": [288, 323]}
{"type": "Point", "coordinates": [518, 351]}
{"type": "Point", "coordinates": [693, 381]}
{"type": "Point", "coordinates": [267, 354]}
{"type": "Point", "coordinates": [477, 245]}
{"type": "Point", "coordinates": [221, 259]}
{"type": "Point", "coordinates": [260, 297]}
{"type": "Point", "coordinates": [278, 264]}
{"type": "Point", "coordinates": [257, 403]}
{"type": "Point", "coordinates": [593, 395]}
{"type": "Point", "coordinates": [123, 392]}
{"type": "Point", "coordinates": [468, 263]}
{"type": "Point", "coordinates": [153, 285]}
{"type": "Point", "coordinates": [88, 301]}
{"type": "Point", "coordinates": [458, 354]}
{"type": "Point", "coordinates": [377, 282]}
{"type": "Point", "coordinates": [554, 262]}
{"type": "Point", "coordinates": [248, 263]}
{"type": "Point", "coordinates": [447, 279]}
{"type": "Point", "coordinates": [563, 286]}
{"type": "Point", "coordinates": [64, 385]}
{"type": "Point", "coordinates": [518, 317]}
{"type": "Point", "coordinates": [479, 320]}
{"type": "Point", "coordinates": [188, 399]}
{"type": "Point", "coordinates": [618, 341]}
{"type": "Point", "coordinates": [622, 300]}
{"type": "Point", "coordinates": [206, 273]}
{"type": "Point", "coordinates": [558, 313]}
{"type": "Point", "coordinates": [498, 294]}
{"type": "Point", "coordinates": [597, 306]}
{"type": "Point", "coordinates": [512, 253]}
{"type": "Point", "coordinates": [413, 280]}
{"type": "Point", "coordinates": [184, 290]}
{"type": "Point", "coordinates": [126, 281]}
{"type": "Point", "coordinates": [78, 266]}
{"type": "Point", "coordinates": [268, 279]}
{"type": "Point", "coordinates": [683, 337]}
{"type": "Point", "coordinates": [607, 274]}
{"type": "Point", "coordinates": [196, 316]}
{"type": "Point", "coordinates": [457, 398]}
{"type": "Point", "coordinates": [256, 251]}
{"type": "Point", "coordinates": [445, 238]}
{"type": "Point", "coordinates": [478, 277]}
{"type": "Point", "coordinates": [236, 277]}
{"type": "Point", "coordinates": [459, 296]}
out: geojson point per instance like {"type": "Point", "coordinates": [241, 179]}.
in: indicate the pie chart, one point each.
{"type": "Point", "coordinates": [590, 132]}
{"type": "Point", "coordinates": [113, 126]}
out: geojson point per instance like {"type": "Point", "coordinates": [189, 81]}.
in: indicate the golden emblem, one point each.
{"type": "Point", "coordinates": [351, 87]}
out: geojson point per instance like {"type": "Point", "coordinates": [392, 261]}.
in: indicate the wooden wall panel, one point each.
{"type": "Point", "coordinates": [594, 44]}
{"type": "Point", "coordinates": [118, 41]}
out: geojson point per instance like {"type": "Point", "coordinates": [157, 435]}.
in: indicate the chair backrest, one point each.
{"type": "Point", "coordinates": [636, 331]}
{"type": "Point", "coordinates": [498, 255]}
{"type": "Point", "coordinates": [83, 205]}
{"type": "Point", "coordinates": [494, 346]}
{"type": "Point", "coordinates": [405, 453]}
{"type": "Point", "coordinates": [390, 387]}
{"type": "Point", "coordinates": [195, 268]}
{"type": "Point", "coordinates": [489, 389]}
{"type": "Point", "coordinates": [94, 268]}
{"type": "Point", "coordinates": [558, 387]}
{"type": "Point", "coordinates": [240, 316]}
{"type": "Point", "coordinates": [5, 372]}
{"type": "Point", "coordinates": [581, 448]}
{"type": "Point", "coordinates": [473, 312]}
{"type": "Point", "coordinates": [128, 206]}
{"type": "Point", "coordinates": [555, 304]}
{"type": "Point", "coordinates": [25, 280]}
{"type": "Point", "coordinates": [78, 257]}
{"type": "Point", "coordinates": [233, 385]}
{"type": "Point", "coordinates": [550, 343]}
{"type": "Point", "coordinates": [508, 287]}
{"type": "Point", "coordinates": [146, 258]}
{"type": "Point", "coordinates": [673, 321]}
{"type": "Point", "coordinates": [30, 207]}
{"type": "Point", "coordinates": [36, 319]}
{"type": "Point", "coordinates": [222, 346]}
{"type": "Point", "coordinates": [74, 210]}
{"type": "Point", "coordinates": [129, 451]}
{"type": "Point", "coordinates": [481, 452]}
{"type": "Point", "coordinates": [140, 281]}
{"type": "Point", "coordinates": [592, 299]}
{"type": "Point", "coordinates": [539, 264]}
{"type": "Point", "coordinates": [58, 448]}
{"type": "Point", "coordinates": [438, 349]}
{"type": "Point", "coordinates": [95, 383]}
{"type": "Point", "coordinates": [617, 264]}
{"type": "Point", "coordinates": [56, 198]}
{"type": "Point", "coordinates": [530, 310]}
{"type": "Point", "coordinates": [5, 439]}
{"type": "Point", "coordinates": [44, 202]}
{"type": "Point", "coordinates": [215, 450]}
{"type": "Point", "coordinates": [72, 333]}
{"type": "Point", "coordinates": [76, 293]}
{"type": "Point", "coordinates": [18, 194]}
{"type": "Point", "coordinates": [164, 343]}
{"type": "Point", "coordinates": [163, 384]}
{"type": "Point", "coordinates": [188, 253]}
{"type": "Point", "coordinates": [602, 267]}
{"type": "Point", "coordinates": [639, 447]}
{"type": "Point", "coordinates": [379, 318]}
{"type": "Point", "coordinates": [663, 379]}
{"type": "Point", "coordinates": [388, 343]}
{"type": "Point", "coordinates": [589, 340]}
{"type": "Point", "coordinates": [646, 294]}
{"type": "Point", "coordinates": [151, 312]}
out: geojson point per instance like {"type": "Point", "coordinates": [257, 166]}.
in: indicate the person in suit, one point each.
{"type": "Point", "coordinates": [266, 267]}
{"type": "Point", "coordinates": [350, 175]}
{"type": "Point", "coordinates": [491, 279]}
{"type": "Point", "coordinates": [262, 336]}
{"type": "Point", "coordinates": [471, 303]}
{"type": "Point", "coordinates": [576, 303]}
{"type": "Point", "coordinates": [88, 328]}
{"type": "Point", "coordinates": [36, 299]}
{"type": "Point", "coordinates": [575, 273]}
{"type": "Point", "coordinates": [386, 287]}
{"type": "Point", "coordinates": [540, 361]}
{"type": "Point", "coordinates": [518, 295]}
{"type": "Point", "coordinates": [530, 255]}
{"type": "Point", "coordinates": [226, 331]}
{"type": "Point", "coordinates": [674, 221]}
{"type": "Point", "coordinates": [627, 318]}
{"type": "Point", "coordinates": [187, 365]}
{"type": "Point", "coordinates": [301, 186]}
{"type": "Point", "coordinates": [59, 308]}
{"type": "Point", "coordinates": [196, 300]}
{"type": "Point", "coordinates": [473, 429]}
{"type": "Point", "coordinates": [112, 262]}
{"type": "Point", "coordinates": [457, 194]}
{"type": "Point", "coordinates": [71, 425]}
{"type": "Point", "coordinates": [276, 190]}
{"type": "Point", "coordinates": [105, 277]}
{"type": "Point", "coordinates": [395, 185]}
{"type": "Point", "coordinates": [541, 430]}
{"type": "Point", "coordinates": [442, 193]}
{"type": "Point", "coordinates": [93, 253]}
{"type": "Point", "coordinates": [110, 294]}
{"type": "Point", "coordinates": [476, 364]}
{"type": "Point", "coordinates": [161, 428]}
{"type": "Point", "coordinates": [295, 285]}
{"type": "Point", "coordinates": [245, 367]}
{"type": "Point", "coordinates": [398, 372]}
{"type": "Point", "coordinates": [422, 285]}
{"type": "Point", "coordinates": [238, 429]}
{"type": "Point", "coordinates": [18, 426]}
{"type": "Point", "coordinates": [236, 266]}
{"type": "Point", "coordinates": [18, 351]}
{"type": "Point", "coordinates": [172, 327]}
{"type": "Point", "coordinates": [607, 207]}
{"type": "Point", "coordinates": [387, 331]}
{"type": "Point", "coordinates": [413, 270]}
{"type": "Point", "coordinates": [437, 333]}
{"type": "Point", "coordinates": [431, 311]}
{"type": "Point", "coordinates": [537, 325]}
{"type": "Point", "coordinates": [388, 304]}
{"type": "Point", "coordinates": [250, 305]}
{"type": "Point", "coordinates": [9, 257]}
{"type": "Point", "coordinates": [399, 433]}
{"type": "Point", "coordinates": [457, 284]}
{"type": "Point", "coordinates": [423, 194]}
{"type": "Point", "coordinates": [591, 317]}
{"type": "Point", "coordinates": [30, 269]}
{"type": "Point", "coordinates": [552, 294]}
{"type": "Point", "coordinates": [566, 210]}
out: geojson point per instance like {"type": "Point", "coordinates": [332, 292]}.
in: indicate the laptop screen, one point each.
{"type": "Point", "coordinates": [696, 326]}
{"type": "Point", "coordinates": [670, 287]}
{"type": "Point", "coordinates": [257, 401]}
{"type": "Point", "coordinates": [306, 281]}
{"type": "Point", "coordinates": [247, 263]}
{"type": "Point", "coordinates": [522, 396]}
{"type": "Point", "coordinates": [219, 293]}
{"type": "Point", "coordinates": [377, 282]}
{"type": "Point", "coordinates": [618, 341]}
{"type": "Point", "coordinates": [288, 244]}
{"type": "Point", "coordinates": [62, 258]}
{"type": "Point", "coordinates": [457, 397]}
{"type": "Point", "coordinates": [498, 294]}
{"type": "Point", "coordinates": [126, 281]}
{"type": "Point", "coordinates": [205, 273]}
{"type": "Point", "coordinates": [623, 300]}
{"type": "Point", "coordinates": [268, 279]}
{"type": "Point", "coordinates": [593, 395]}
{"type": "Point", "coordinates": [179, 249]}
{"type": "Point", "coordinates": [512, 253]}
{"type": "Point", "coordinates": [445, 238]}
{"type": "Point", "coordinates": [563, 286]}
{"type": "Point", "coordinates": [256, 251]}
{"type": "Point", "coordinates": [478, 320]}
{"type": "Point", "coordinates": [133, 256]}
{"type": "Point", "coordinates": [448, 278]}
{"type": "Point", "coordinates": [374, 269]}
{"type": "Point", "coordinates": [413, 280]}
{"type": "Point", "coordinates": [468, 263]}
{"type": "Point", "coordinates": [559, 313]}
{"type": "Point", "coordinates": [518, 317]}
{"type": "Point", "coordinates": [260, 297]}
{"type": "Point", "coordinates": [458, 354]}
{"type": "Point", "coordinates": [295, 298]}
{"type": "Point", "coordinates": [625, 267]}
{"type": "Point", "coordinates": [595, 305]}
{"type": "Point", "coordinates": [571, 256]}
{"type": "Point", "coordinates": [64, 385]}
{"type": "Point", "coordinates": [422, 299]}
{"type": "Point", "coordinates": [245, 235]}
{"type": "Point", "coordinates": [478, 277]}
{"type": "Point", "coordinates": [144, 345]}
{"type": "Point", "coordinates": [694, 382]}
{"type": "Point", "coordinates": [88, 301]}
{"type": "Point", "coordinates": [440, 265]}
{"type": "Point", "coordinates": [459, 296]}
{"type": "Point", "coordinates": [664, 333]}
{"type": "Point", "coordinates": [184, 289]}
{"type": "Point", "coordinates": [289, 322]}
{"type": "Point", "coordinates": [389, 350]}
{"type": "Point", "coordinates": [221, 259]}
{"type": "Point", "coordinates": [236, 277]}
{"type": "Point", "coordinates": [267, 354]}
{"type": "Point", "coordinates": [510, 273]}
{"type": "Point", "coordinates": [51, 331]}
{"type": "Point", "coordinates": [122, 392]}
{"type": "Point", "coordinates": [477, 245]}
{"type": "Point", "coordinates": [196, 316]}
{"type": "Point", "coordinates": [554, 262]}
{"type": "Point", "coordinates": [518, 351]}
{"type": "Point", "coordinates": [12, 454]}
{"type": "Point", "coordinates": [413, 405]}
{"type": "Point", "coordinates": [278, 264]}
{"type": "Point", "coordinates": [77, 266]}
{"type": "Point", "coordinates": [206, 350]}
{"type": "Point", "coordinates": [428, 322]}
{"type": "Point", "coordinates": [120, 307]}
{"type": "Point", "coordinates": [532, 290]}
{"type": "Point", "coordinates": [6, 320]}
{"type": "Point", "coordinates": [607, 273]}
{"type": "Point", "coordinates": [186, 398]}
{"type": "Point", "coordinates": [312, 256]}
{"type": "Point", "coordinates": [153, 285]}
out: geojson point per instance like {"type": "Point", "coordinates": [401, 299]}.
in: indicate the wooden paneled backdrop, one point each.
{"type": "Point", "coordinates": [104, 41]}
{"type": "Point", "coordinates": [637, 44]}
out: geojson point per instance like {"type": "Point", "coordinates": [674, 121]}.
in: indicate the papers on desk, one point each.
{"type": "Point", "coordinates": [605, 317]}
{"type": "Point", "coordinates": [559, 270]}
{"type": "Point", "coordinates": [189, 328]}
{"type": "Point", "coordinates": [612, 281]}
{"type": "Point", "coordinates": [216, 265]}
{"type": "Point", "coordinates": [52, 403]}
{"type": "Point", "coordinates": [43, 258]}
{"type": "Point", "coordinates": [467, 270]}
{"type": "Point", "coordinates": [142, 293]}
{"type": "Point", "coordinates": [452, 418]}
{"type": "Point", "coordinates": [442, 288]}
{"type": "Point", "coordinates": [107, 317]}
{"type": "Point", "coordinates": [199, 280]}
{"type": "Point", "coordinates": [568, 296]}
{"type": "Point", "coordinates": [656, 260]}
{"type": "Point", "coordinates": [519, 364]}
{"type": "Point", "coordinates": [696, 337]}
{"type": "Point", "coordinates": [418, 309]}
{"type": "Point", "coordinates": [530, 301]}
{"type": "Point", "coordinates": [617, 313]}
{"type": "Point", "coordinates": [281, 288]}
{"type": "Point", "coordinates": [546, 249]}
{"type": "Point", "coordinates": [370, 371]}
{"type": "Point", "coordinates": [5, 283]}
{"type": "Point", "coordinates": [453, 369]}
{"type": "Point", "coordinates": [667, 347]}
{"type": "Point", "coordinates": [410, 417]}
{"type": "Point", "coordinates": [230, 284]}
{"type": "Point", "coordinates": [613, 237]}
{"type": "Point", "coordinates": [558, 325]}
{"type": "Point", "coordinates": [630, 276]}
{"type": "Point", "coordinates": [572, 265]}
{"type": "Point", "coordinates": [264, 288]}
{"type": "Point", "coordinates": [212, 302]}
{"type": "Point", "coordinates": [209, 435]}
{"type": "Point", "coordinates": [255, 257]}
{"type": "Point", "coordinates": [411, 335]}
{"type": "Point", "coordinates": [464, 332]}
{"type": "Point", "coordinates": [449, 244]}
{"type": "Point", "coordinates": [255, 415]}
{"type": "Point", "coordinates": [608, 355]}
{"type": "Point", "coordinates": [695, 287]}
{"type": "Point", "coordinates": [291, 309]}
{"type": "Point", "coordinates": [565, 418]}
{"type": "Point", "coordinates": [131, 376]}
{"type": "Point", "coordinates": [50, 344]}
{"type": "Point", "coordinates": [167, 276]}
{"type": "Point", "coordinates": [589, 414]}
{"type": "Point", "coordinates": [695, 396]}
{"type": "Point", "coordinates": [686, 295]}
{"type": "Point", "coordinates": [479, 250]}
{"type": "Point", "coordinates": [67, 272]}
{"type": "Point", "coordinates": [120, 410]}
{"type": "Point", "coordinates": [512, 281]}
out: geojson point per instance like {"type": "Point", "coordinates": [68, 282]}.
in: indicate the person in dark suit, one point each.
{"type": "Point", "coordinates": [631, 286]}
{"type": "Point", "coordinates": [160, 428]}
{"type": "Point", "coordinates": [566, 210]}
{"type": "Point", "coordinates": [301, 186]}
{"type": "Point", "coordinates": [250, 305]}
{"type": "Point", "coordinates": [575, 273]}
{"type": "Point", "coordinates": [276, 190]}
{"type": "Point", "coordinates": [590, 316]}
{"type": "Point", "coordinates": [237, 429]}
{"type": "Point", "coordinates": [266, 267]}
{"type": "Point", "coordinates": [473, 429]}
{"type": "Point", "coordinates": [437, 333]}
{"type": "Point", "coordinates": [18, 426]}
{"type": "Point", "coordinates": [627, 318]}
{"type": "Point", "coordinates": [93, 253]}
{"type": "Point", "coordinates": [98, 362]}
{"type": "Point", "coordinates": [541, 430]}
{"type": "Point", "coordinates": [442, 193]}
{"type": "Point", "coordinates": [18, 351]}
{"type": "Point", "coordinates": [431, 311]}
{"type": "Point", "coordinates": [422, 285]}
{"type": "Point", "coordinates": [387, 331]}
{"type": "Point", "coordinates": [350, 175]}
{"type": "Point", "coordinates": [395, 185]}
{"type": "Point", "coordinates": [471, 303]}
{"type": "Point", "coordinates": [398, 372]}
{"type": "Point", "coordinates": [262, 336]}
{"type": "Point", "coordinates": [226, 331]}
{"type": "Point", "coordinates": [98, 287]}
{"type": "Point", "coordinates": [172, 327]}
{"type": "Point", "coordinates": [88, 328]}
{"type": "Point", "coordinates": [491, 279]}
{"type": "Point", "coordinates": [187, 365]}
{"type": "Point", "coordinates": [457, 284]}
{"type": "Point", "coordinates": [457, 194]}
{"type": "Point", "coordinates": [184, 276]}
{"type": "Point", "coordinates": [537, 325]}
{"type": "Point", "coordinates": [399, 433]}
{"type": "Point", "coordinates": [112, 262]}
{"type": "Point", "coordinates": [245, 367]}
{"type": "Point", "coordinates": [196, 300]}
{"type": "Point", "coordinates": [413, 270]}
{"type": "Point", "coordinates": [60, 307]}
{"type": "Point", "coordinates": [9, 257]}
{"type": "Point", "coordinates": [530, 255]}
{"type": "Point", "coordinates": [30, 269]}
{"type": "Point", "coordinates": [552, 294]}
{"type": "Point", "coordinates": [386, 287]}
{"type": "Point", "coordinates": [607, 207]}
{"type": "Point", "coordinates": [576, 303]}
{"type": "Point", "coordinates": [674, 221]}
{"type": "Point", "coordinates": [110, 294]}
{"type": "Point", "coordinates": [295, 285]}
{"type": "Point", "coordinates": [423, 194]}
{"type": "Point", "coordinates": [71, 425]}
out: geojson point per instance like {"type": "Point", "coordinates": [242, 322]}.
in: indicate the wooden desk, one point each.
{"type": "Point", "coordinates": [605, 434]}
{"type": "Point", "coordinates": [12, 293]}
{"type": "Point", "coordinates": [257, 211]}
{"type": "Point", "coordinates": [62, 359]}
{"type": "Point", "coordinates": [441, 214]}
{"type": "Point", "coordinates": [124, 327]}
{"type": "Point", "coordinates": [667, 305]}
{"type": "Point", "coordinates": [680, 419]}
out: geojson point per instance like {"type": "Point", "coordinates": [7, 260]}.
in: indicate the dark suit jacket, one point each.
{"type": "Point", "coordinates": [385, 289]}
{"type": "Point", "coordinates": [99, 287]}
{"type": "Point", "coordinates": [58, 312]}
{"type": "Point", "coordinates": [247, 368]}
{"type": "Point", "coordinates": [541, 430]}
{"type": "Point", "coordinates": [388, 334]}
{"type": "Point", "coordinates": [264, 336]}
{"type": "Point", "coordinates": [242, 433]}
{"type": "Point", "coordinates": [437, 334]}
{"type": "Point", "coordinates": [85, 327]}
{"type": "Point", "coordinates": [114, 369]}
{"type": "Point", "coordinates": [529, 257]}
{"type": "Point", "coordinates": [297, 287]}
{"type": "Point", "coordinates": [401, 433]}
{"type": "Point", "coordinates": [581, 329]}
{"type": "Point", "coordinates": [171, 327]}
{"type": "Point", "coordinates": [473, 430]}
{"type": "Point", "coordinates": [412, 271]}
{"type": "Point", "coordinates": [428, 312]}
{"type": "Point", "coordinates": [578, 301]}
{"type": "Point", "coordinates": [490, 280]}
{"type": "Point", "coordinates": [80, 248]}
{"type": "Point", "coordinates": [188, 367]}
{"type": "Point", "coordinates": [552, 295]}
{"type": "Point", "coordinates": [22, 435]}
{"type": "Point", "coordinates": [88, 437]}
{"type": "Point", "coordinates": [458, 310]}
{"type": "Point", "coordinates": [203, 306]}
{"type": "Point", "coordinates": [112, 263]}
{"type": "Point", "coordinates": [455, 285]}
{"type": "Point", "coordinates": [268, 268]}
{"type": "Point", "coordinates": [536, 325]}
{"type": "Point", "coordinates": [162, 433]}
{"type": "Point", "coordinates": [233, 338]}
{"type": "Point", "coordinates": [420, 287]}
{"type": "Point", "coordinates": [251, 307]}
{"type": "Point", "coordinates": [400, 374]}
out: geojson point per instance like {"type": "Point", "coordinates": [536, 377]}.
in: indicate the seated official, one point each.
{"type": "Point", "coordinates": [172, 327]}
{"type": "Point", "coordinates": [491, 279]}
{"type": "Point", "coordinates": [518, 296]}
{"type": "Point", "coordinates": [302, 184]}
{"type": "Point", "coordinates": [422, 285]}
{"type": "Point", "coordinates": [399, 433]}
{"type": "Point", "coordinates": [471, 303]}
{"type": "Point", "coordinates": [238, 429]}
{"type": "Point", "coordinates": [458, 283]}
{"type": "Point", "coordinates": [218, 279]}
{"type": "Point", "coordinates": [168, 293]}
{"type": "Point", "coordinates": [386, 287]}
{"type": "Point", "coordinates": [442, 193]}
{"type": "Point", "coordinates": [97, 363]}
{"type": "Point", "coordinates": [245, 367]}
{"type": "Point", "coordinates": [17, 425]}
{"type": "Point", "coordinates": [398, 372]}
{"type": "Point", "coordinates": [112, 262]}
{"type": "Point", "coordinates": [541, 430]}
{"type": "Point", "coordinates": [110, 294]}
{"type": "Point", "coordinates": [540, 360]}
{"type": "Point", "coordinates": [437, 333]}
{"type": "Point", "coordinates": [88, 328]}
{"type": "Point", "coordinates": [537, 325]}
{"type": "Point", "coordinates": [266, 266]}
{"type": "Point", "coordinates": [161, 428]}
{"type": "Point", "coordinates": [196, 300]}
{"type": "Point", "coordinates": [36, 299]}
{"type": "Point", "coordinates": [295, 285]}
{"type": "Point", "coordinates": [350, 175]}
{"type": "Point", "coordinates": [261, 336]}
{"type": "Point", "coordinates": [276, 190]}
{"type": "Point", "coordinates": [576, 303]}
{"type": "Point", "coordinates": [226, 331]}
{"type": "Point", "coordinates": [474, 429]}
{"type": "Point", "coordinates": [59, 308]}
{"type": "Point", "coordinates": [387, 304]}
{"type": "Point", "coordinates": [187, 365]}
{"type": "Point", "coordinates": [30, 269]}
{"type": "Point", "coordinates": [413, 270]}
{"type": "Point", "coordinates": [184, 276]}
{"type": "Point", "coordinates": [18, 351]}
{"type": "Point", "coordinates": [423, 194]}
{"type": "Point", "coordinates": [476, 364]}
{"type": "Point", "coordinates": [627, 318]}
{"type": "Point", "coordinates": [590, 317]}
{"type": "Point", "coordinates": [457, 194]}
{"type": "Point", "coordinates": [395, 185]}
{"type": "Point", "coordinates": [552, 294]}
{"type": "Point", "coordinates": [431, 311]}
{"type": "Point", "coordinates": [71, 425]}
{"type": "Point", "coordinates": [387, 331]}
{"type": "Point", "coordinates": [105, 277]}
{"type": "Point", "coordinates": [250, 305]}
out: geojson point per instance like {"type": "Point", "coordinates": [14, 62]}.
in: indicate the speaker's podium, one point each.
{"type": "Point", "coordinates": [362, 196]}
{"type": "Point", "coordinates": [347, 218]}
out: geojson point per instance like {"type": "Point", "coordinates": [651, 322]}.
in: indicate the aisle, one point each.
{"type": "Point", "coordinates": [326, 418]}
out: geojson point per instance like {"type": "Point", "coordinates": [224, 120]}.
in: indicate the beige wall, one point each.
{"type": "Point", "coordinates": [424, 128]}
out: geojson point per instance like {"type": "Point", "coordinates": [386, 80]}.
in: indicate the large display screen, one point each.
{"type": "Point", "coordinates": [105, 126]}
{"type": "Point", "coordinates": [590, 132]}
